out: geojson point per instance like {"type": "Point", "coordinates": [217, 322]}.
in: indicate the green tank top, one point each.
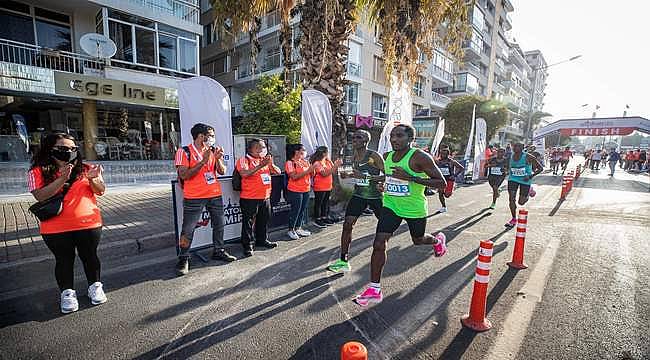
{"type": "Point", "coordinates": [405, 198]}
{"type": "Point", "coordinates": [366, 188]}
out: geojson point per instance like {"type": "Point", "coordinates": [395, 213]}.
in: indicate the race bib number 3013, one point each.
{"type": "Point", "coordinates": [397, 187]}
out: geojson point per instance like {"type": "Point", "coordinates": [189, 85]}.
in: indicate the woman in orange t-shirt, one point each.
{"type": "Point", "coordinates": [298, 173]}
{"type": "Point", "coordinates": [56, 168]}
{"type": "Point", "coordinates": [323, 169]}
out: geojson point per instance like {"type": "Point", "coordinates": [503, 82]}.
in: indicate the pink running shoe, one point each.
{"type": "Point", "coordinates": [511, 223]}
{"type": "Point", "coordinates": [371, 295]}
{"type": "Point", "coordinates": [440, 246]}
{"type": "Point", "coordinates": [532, 192]}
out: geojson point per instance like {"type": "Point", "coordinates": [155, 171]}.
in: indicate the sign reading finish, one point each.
{"type": "Point", "coordinates": [610, 131]}
{"type": "Point", "coordinates": [88, 87]}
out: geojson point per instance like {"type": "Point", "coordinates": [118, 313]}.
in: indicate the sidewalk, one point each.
{"type": "Point", "coordinates": [135, 218]}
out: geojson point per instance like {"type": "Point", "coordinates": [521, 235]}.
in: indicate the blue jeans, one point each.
{"type": "Point", "coordinates": [298, 213]}
{"type": "Point", "coordinates": [192, 211]}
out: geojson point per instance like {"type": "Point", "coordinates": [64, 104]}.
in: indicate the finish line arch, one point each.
{"type": "Point", "coordinates": [617, 126]}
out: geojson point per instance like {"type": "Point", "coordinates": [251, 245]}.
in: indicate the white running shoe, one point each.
{"type": "Point", "coordinates": [303, 232]}
{"type": "Point", "coordinates": [96, 293]}
{"type": "Point", "coordinates": [442, 210]}
{"type": "Point", "coordinates": [69, 301]}
{"type": "Point", "coordinates": [292, 235]}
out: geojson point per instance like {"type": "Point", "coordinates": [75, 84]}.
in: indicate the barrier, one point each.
{"type": "Point", "coordinates": [520, 240]}
{"type": "Point", "coordinates": [578, 171]}
{"type": "Point", "coordinates": [476, 319]}
{"type": "Point", "coordinates": [565, 188]}
{"type": "Point", "coordinates": [354, 351]}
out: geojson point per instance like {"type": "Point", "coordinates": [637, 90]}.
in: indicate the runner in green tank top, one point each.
{"type": "Point", "coordinates": [408, 172]}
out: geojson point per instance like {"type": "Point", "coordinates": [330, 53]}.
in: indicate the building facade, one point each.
{"type": "Point", "coordinates": [122, 110]}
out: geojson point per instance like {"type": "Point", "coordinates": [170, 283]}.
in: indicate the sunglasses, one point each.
{"type": "Point", "coordinates": [66, 148]}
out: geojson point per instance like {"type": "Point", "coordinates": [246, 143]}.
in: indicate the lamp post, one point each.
{"type": "Point", "coordinates": [532, 95]}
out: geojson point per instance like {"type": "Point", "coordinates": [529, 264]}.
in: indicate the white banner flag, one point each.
{"type": "Point", "coordinates": [400, 107]}
{"type": "Point", "coordinates": [316, 127]}
{"type": "Point", "coordinates": [437, 139]}
{"type": "Point", "coordinates": [468, 148]}
{"type": "Point", "coordinates": [480, 143]}
{"type": "Point", "coordinates": [203, 100]}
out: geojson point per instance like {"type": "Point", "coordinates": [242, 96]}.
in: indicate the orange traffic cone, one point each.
{"type": "Point", "coordinates": [520, 237]}
{"type": "Point", "coordinates": [476, 319]}
{"type": "Point", "coordinates": [564, 189]}
{"type": "Point", "coordinates": [354, 351]}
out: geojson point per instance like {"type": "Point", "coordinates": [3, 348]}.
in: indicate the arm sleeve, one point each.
{"type": "Point", "coordinates": [34, 179]}
{"type": "Point", "coordinates": [181, 158]}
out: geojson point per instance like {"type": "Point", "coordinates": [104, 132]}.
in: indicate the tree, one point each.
{"type": "Point", "coordinates": [269, 110]}
{"type": "Point", "coordinates": [458, 115]}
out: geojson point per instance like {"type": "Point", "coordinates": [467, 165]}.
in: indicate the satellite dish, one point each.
{"type": "Point", "coordinates": [98, 45]}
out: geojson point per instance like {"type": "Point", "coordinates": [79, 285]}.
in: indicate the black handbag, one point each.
{"type": "Point", "coordinates": [51, 207]}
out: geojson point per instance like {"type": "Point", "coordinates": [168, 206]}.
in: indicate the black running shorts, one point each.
{"type": "Point", "coordinates": [356, 205]}
{"type": "Point", "coordinates": [496, 180]}
{"type": "Point", "coordinates": [523, 189]}
{"type": "Point", "coordinates": [389, 222]}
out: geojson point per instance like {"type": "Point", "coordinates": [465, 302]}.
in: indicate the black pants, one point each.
{"type": "Point", "coordinates": [63, 247]}
{"type": "Point", "coordinates": [321, 204]}
{"type": "Point", "coordinates": [255, 220]}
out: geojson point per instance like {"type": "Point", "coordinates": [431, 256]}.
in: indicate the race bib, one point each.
{"type": "Point", "coordinates": [266, 178]}
{"type": "Point", "coordinates": [363, 182]}
{"type": "Point", "coordinates": [397, 187]}
{"type": "Point", "coordinates": [518, 171]}
{"type": "Point", "coordinates": [496, 171]}
{"type": "Point", "coordinates": [444, 171]}
{"type": "Point", "coordinates": [210, 178]}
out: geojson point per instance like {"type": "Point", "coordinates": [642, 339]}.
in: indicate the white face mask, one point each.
{"type": "Point", "coordinates": [209, 142]}
{"type": "Point", "coordinates": [264, 152]}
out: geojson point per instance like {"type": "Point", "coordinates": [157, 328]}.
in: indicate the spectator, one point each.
{"type": "Point", "coordinates": [256, 169]}
{"type": "Point", "coordinates": [299, 172]}
{"type": "Point", "coordinates": [197, 165]}
{"type": "Point", "coordinates": [323, 169]}
{"type": "Point", "coordinates": [58, 168]}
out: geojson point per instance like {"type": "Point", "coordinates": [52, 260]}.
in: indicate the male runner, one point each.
{"type": "Point", "coordinates": [523, 167]}
{"type": "Point", "coordinates": [566, 155]}
{"type": "Point", "coordinates": [497, 169]}
{"type": "Point", "coordinates": [408, 171]}
{"type": "Point", "coordinates": [449, 168]}
{"type": "Point", "coordinates": [366, 168]}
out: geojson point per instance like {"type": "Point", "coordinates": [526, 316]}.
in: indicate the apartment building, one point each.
{"type": "Point", "coordinates": [123, 110]}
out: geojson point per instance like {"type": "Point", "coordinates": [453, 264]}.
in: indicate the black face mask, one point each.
{"type": "Point", "coordinates": [66, 156]}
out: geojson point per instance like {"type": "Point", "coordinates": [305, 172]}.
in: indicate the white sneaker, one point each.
{"type": "Point", "coordinates": [303, 232]}
{"type": "Point", "coordinates": [96, 293]}
{"type": "Point", "coordinates": [69, 301]}
{"type": "Point", "coordinates": [442, 210]}
{"type": "Point", "coordinates": [292, 235]}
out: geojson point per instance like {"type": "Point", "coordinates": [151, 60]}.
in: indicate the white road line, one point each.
{"type": "Point", "coordinates": [515, 326]}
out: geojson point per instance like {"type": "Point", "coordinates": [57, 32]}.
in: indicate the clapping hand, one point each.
{"type": "Point", "coordinates": [66, 171]}
{"type": "Point", "coordinates": [338, 162]}
{"type": "Point", "coordinates": [218, 152]}
{"type": "Point", "coordinates": [95, 171]}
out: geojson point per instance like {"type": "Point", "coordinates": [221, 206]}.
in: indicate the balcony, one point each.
{"type": "Point", "coordinates": [32, 55]}
{"type": "Point", "coordinates": [185, 10]}
{"type": "Point", "coordinates": [507, 22]}
{"type": "Point", "coordinates": [439, 101]}
{"type": "Point", "coordinates": [498, 88]}
{"type": "Point", "coordinates": [472, 50]}
{"type": "Point", "coordinates": [442, 76]}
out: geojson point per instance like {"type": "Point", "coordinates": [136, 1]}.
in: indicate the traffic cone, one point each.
{"type": "Point", "coordinates": [564, 189]}
{"type": "Point", "coordinates": [476, 319]}
{"type": "Point", "coordinates": [354, 351]}
{"type": "Point", "coordinates": [520, 237]}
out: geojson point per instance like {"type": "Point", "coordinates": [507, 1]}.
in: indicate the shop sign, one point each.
{"type": "Point", "coordinates": [18, 77]}
{"type": "Point", "coordinates": [89, 87]}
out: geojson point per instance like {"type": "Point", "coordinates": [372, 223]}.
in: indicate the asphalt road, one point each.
{"type": "Point", "coordinates": [584, 295]}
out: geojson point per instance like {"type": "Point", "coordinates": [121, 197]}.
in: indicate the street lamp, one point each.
{"type": "Point", "coordinates": [532, 95]}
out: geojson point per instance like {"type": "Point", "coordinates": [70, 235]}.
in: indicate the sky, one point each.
{"type": "Point", "coordinates": [613, 39]}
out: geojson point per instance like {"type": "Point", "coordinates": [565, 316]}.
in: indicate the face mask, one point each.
{"type": "Point", "coordinates": [65, 156]}
{"type": "Point", "coordinates": [210, 141]}
{"type": "Point", "coordinates": [264, 152]}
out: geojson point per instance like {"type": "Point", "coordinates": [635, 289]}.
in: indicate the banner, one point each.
{"type": "Point", "coordinates": [203, 100]}
{"type": "Point", "coordinates": [316, 127]}
{"type": "Point", "coordinates": [437, 139]}
{"type": "Point", "coordinates": [21, 129]}
{"type": "Point", "coordinates": [480, 143]}
{"type": "Point", "coordinates": [400, 107]}
{"type": "Point", "coordinates": [468, 148]}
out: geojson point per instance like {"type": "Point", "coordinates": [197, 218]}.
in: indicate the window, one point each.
{"type": "Point", "coordinates": [16, 27]}
{"type": "Point", "coordinates": [145, 43]}
{"type": "Point", "coordinates": [121, 35]}
{"type": "Point", "coordinates": [210, 34]}
{"type": "Point", "coordinates": [477, 18]}
{"type": "Point", "coordinates": [466, 82]}
{"type": "Point", "coordinates": [351, 100]}
{"type": "Point", "coordinates": [167, 51]}
{"type": "Point", "coordinates": [418, 87]}
{"type": "Point", "coordinates": [45, 28]}
{"type": "Point", "coordinates": [379, 71]}
{"type": "Point", "coordinates": [271, 58]}
{"type": "Point", "coordinates": [379, 107]}
{"type": "Point", "coordinates": [354, 59]}
{"type": "Point", "coordinates": [187, 56]}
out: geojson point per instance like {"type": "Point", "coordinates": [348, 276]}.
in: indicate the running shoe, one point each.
{"type": "Point", "coordinates": [440, 246]}
{"type": "Point", "coordinates": [320, 224]}
{"type": "Point", "coordinates": [532, 192]}
{"type": "Point", "coordinates": [442, 210]}
{"type": "Point", "coordinates": [69, 301]}
{"type": "Point", "coordinates": [292, 235]}
{"type": "Point", "coordinates": [511, 223]}
{"type": "Point", "coordinates": [303, 232]}
{"type": "Point", "coordinates": [339, 266]}
{"type": "Point", "coordinates": [493, 206]}
{"type": "Point", "coordinates": [329, 221]}
{"type": "Point", "coordinates": [371, 295]}
{"type": "Point", "coordinates": [96, 293]}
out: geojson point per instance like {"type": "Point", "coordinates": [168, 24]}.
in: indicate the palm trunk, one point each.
{"type": "Point", "coordinates": [287, 61]}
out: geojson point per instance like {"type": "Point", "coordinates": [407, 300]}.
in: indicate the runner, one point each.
{"type": "Point", "coordinates": [523, 167]}
{"type": "Point", "coordinates": [408, 171]}
{"type": "Point", "coordinates": [557, 159]}
{"type": "Point", "coordinates": [566, 155]}
{"type": "Point", "coordinates": [449, 168]}
{"type": "Point", "coordinates": [366, 168]}
{"type": "Point", "coordinates": [497, 169]}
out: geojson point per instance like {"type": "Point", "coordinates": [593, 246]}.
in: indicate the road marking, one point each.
{"type": "Point", "coordinates": [467, 204]}
{"type": "Point", "coordinates": [515, 326]}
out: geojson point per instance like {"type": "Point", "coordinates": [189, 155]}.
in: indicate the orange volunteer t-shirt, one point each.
{"type": "Point", "coordinates": [258, 185]}
{"type": "Point", "coordinates": [323, 183]}
{"type": "Point", "coordinates": [298, 185]}
{"type": "Point", "coordinates": [204, 184]}
{"type": "Point", "coordinates": [80, 210]}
